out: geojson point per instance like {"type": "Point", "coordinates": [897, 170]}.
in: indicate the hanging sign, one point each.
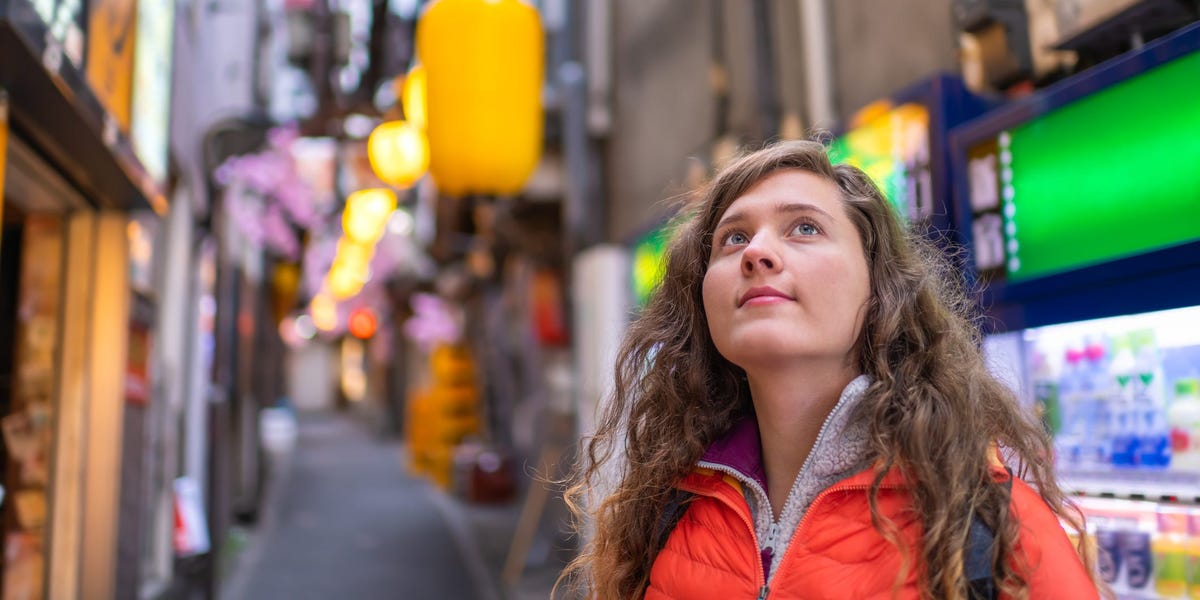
{"type": "Point", "coordinates": [191, 528]}
{"type": "Point", "coordinates": [112, 31]}
{"type": "Point", "coordinates": [152, 85]}
{"type": "Point", "coordinates": [64, 20]}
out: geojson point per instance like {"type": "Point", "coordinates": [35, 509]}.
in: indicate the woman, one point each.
{"type": "Point", "coordinates": [802, 411]}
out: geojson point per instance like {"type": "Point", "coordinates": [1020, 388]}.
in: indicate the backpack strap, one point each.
{"type": "Point", "coordinates": [677, 504]}
{"type": "Point", "coordinates": [977, 560]}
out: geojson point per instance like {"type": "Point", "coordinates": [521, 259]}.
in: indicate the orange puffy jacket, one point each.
{"type": "Point", "coordinates": [836, 553]}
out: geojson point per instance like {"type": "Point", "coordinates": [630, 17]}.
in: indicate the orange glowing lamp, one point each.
{"type": "Point", "coordinates": [362, 323]}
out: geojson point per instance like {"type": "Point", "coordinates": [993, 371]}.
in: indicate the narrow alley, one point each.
{"type": "Point", "coordinates": [344, 521]}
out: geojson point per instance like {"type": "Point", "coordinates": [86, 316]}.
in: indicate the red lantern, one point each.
{"type": "Point", "coordinates": [363, 323]}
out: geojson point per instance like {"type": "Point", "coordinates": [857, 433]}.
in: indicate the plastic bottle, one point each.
{"type": "Point", "coordinates": [1067, 444]}
{"type": "Point", "coordinates": [1170, 550]}
{"type": "Point", "coordinates": [1096, 445]}
{"type": "Point", "coordinates": [1137, 560]}
{"type": "Point", "coordinates": [1183, 417]}
{"type": "Point", "coordinates": [1121, 411]}
{"type": "Point", "coordinates": [1192, 549]}
{"type": "Point", "coordinates": [1153, 448]}
{"type": "Point", "coordinates": [1045, 394]}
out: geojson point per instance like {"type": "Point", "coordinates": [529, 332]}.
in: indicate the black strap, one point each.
{"type": "Point", "coordinates": [677, 504]}
{"type": "Point", "coordinates": [977, 561]}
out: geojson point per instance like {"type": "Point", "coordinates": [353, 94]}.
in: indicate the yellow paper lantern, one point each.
{"type": "Point", "coordinates": [414, 97]}
{"type": "Point", "coordinates": [366, 214]}
{"type": "Point", "coordinates": [324, 312]}
{"type": "Point", "coordinates": [352, 253]}
{"type": "Point", "coordinates": [484, 68]}
{"type": "Point", "coordinates": [399, 153]}
{"type": "Point", "coordinates": [344, 282]}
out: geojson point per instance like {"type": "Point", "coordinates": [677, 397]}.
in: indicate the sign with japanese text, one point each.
{"type": "Point", "coordinates": [112, 30]}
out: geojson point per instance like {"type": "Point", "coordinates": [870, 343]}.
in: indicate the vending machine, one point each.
{"type": "Point", "coordinates": [900, 142]}
{"type": "Point", "coordinates": [1081, 208]}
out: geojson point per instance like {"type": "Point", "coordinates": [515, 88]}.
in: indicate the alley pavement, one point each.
{"type": "Point", "coordinates": [345, 521]}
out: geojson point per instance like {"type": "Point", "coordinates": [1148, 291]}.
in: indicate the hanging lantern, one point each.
{"type": "Point", "coordinates": [366, 214]}
{"type": "Point", "coordinates": [414, 97]}
{"type": "Point", "coordinates": [324, 312]}
{"type": "Point", "coordinates": [345, 282]}
{"type": "Point", "coordinates": [399, 153]}
{"type": "Point", "coordinates": [484, 66]}
{"type": "Point", "coordinates": [362, 323]}
{"type": "Point", "coordinates": [353, 254]}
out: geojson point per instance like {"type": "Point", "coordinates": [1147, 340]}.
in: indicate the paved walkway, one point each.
{"type": "Point", "coordinates": [345, 522]}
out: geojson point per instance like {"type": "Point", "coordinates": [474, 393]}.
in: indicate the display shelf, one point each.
{"type": "Point", "coordinates": [1138, 596]}
{"type": "Point", "coordinates": [1162, 485]}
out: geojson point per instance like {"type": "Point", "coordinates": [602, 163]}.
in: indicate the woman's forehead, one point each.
{"type": "Point", "coordinates": [784, 190]}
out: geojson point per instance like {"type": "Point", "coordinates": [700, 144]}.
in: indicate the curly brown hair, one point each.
{"type": "Point", "coordinates": [935, 411]}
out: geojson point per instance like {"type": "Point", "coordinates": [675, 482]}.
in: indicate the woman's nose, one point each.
{"type": "Point", "coordinates": [759, 255]}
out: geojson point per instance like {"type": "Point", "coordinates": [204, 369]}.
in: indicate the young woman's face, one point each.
{"type": "Point", "coordinates": [787, 278]}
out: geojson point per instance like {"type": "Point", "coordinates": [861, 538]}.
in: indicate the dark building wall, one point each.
{"type": "Point", "coordinates": [882, 47]}
{"type": "Point", "coordinates": [663, 106]}
{"type": "Point", "coordinates": [667, 112]}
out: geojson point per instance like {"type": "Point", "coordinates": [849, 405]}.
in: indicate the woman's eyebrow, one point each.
{"type": "Point", "coordinates": [782, 207]}
{"type": "Point", "coordinates": [795, 207]}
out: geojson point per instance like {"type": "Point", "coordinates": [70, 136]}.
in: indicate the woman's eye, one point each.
{"type": "Point", "coordinates": [737, 238]}
{"type": "Point", "coordinates": [806, 229]}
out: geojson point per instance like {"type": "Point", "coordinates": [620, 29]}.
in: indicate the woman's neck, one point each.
{"type": "Point", "coordinates": [791, 407]}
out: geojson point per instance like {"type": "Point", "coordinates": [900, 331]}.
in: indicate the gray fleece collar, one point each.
{"type": "Point", "coordinates": [839, 452]}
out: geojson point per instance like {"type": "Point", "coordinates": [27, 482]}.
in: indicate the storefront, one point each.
{"type": "Point", "coordinates": [77, 310]}
{"type": "Point", "coordinates": [1082, 206]}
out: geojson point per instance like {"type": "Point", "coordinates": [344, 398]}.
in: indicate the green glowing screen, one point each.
{"type": "Point", "coordinates": [1114, 174]}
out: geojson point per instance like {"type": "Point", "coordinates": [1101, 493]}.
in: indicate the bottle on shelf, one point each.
{"type": "Point", "coordinates": [1183, 417]}
{"type": "Point", "coordinates": [1137, 560]}
{"type": "Point", "coordinates": [1121, 370]}
{"type": "Point", "coordinates": [1192, 549]}
{"type": "Point", "coordinates": [1095, 395]}
{"type": "Point", "coordinates": [1171, 553]}
{"type": "Point", "coordinates": [1046, 402]}
{"type": "Point", "coordinates": [1153, 440]}
{"type": "Point", "coordinates": [1067, 444]}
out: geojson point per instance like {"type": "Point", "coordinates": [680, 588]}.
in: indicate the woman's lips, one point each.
{"type": "Point", "coordinates": [763, 295]}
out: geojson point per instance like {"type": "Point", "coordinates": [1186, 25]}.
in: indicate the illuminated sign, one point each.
{"type": "Point", "coordinates": [152, 85]}
{"type": "Point", "coordinates": [1114, 174]}
{"type": "Point", "coordinates": [649, 264]}
{"type": "Point", "coordinates": [111, 31]}
{"type": "Point", "coordinates": [63, 19]}
{"type": "Point", "coordinates": [891, 144]}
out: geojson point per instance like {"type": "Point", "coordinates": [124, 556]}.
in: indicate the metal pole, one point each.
{"type": "Point", "coordinates": [818, 62]}
{"type": "Point", "coordinates": [764, 54]}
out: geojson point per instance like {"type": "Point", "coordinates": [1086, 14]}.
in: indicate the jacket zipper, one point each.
{"type": "Point", "coordinates": [768, 549]}
{"type": "Point", "coordinates": [804, 519]}
{"type": "Point", "coordinates": [775, 529]}
{"type": "Point", "coordinates": [773, 535]}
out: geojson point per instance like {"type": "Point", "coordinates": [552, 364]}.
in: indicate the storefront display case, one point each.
{"type": "Point", "coordinates": [1081, 209]}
